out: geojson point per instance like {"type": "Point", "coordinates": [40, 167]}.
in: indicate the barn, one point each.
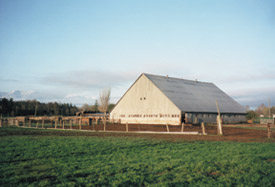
{"type": "Point", "coordinates": [154, 99]}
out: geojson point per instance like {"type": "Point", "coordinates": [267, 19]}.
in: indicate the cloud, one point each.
{"type": "Point", "coordinates": [9, 80]}
{"type": "Point", "coordinates": [254, 96]}
{"type": "Point", "coordinates": [252, 77]}
{"type": "Point", "coordinates": [17, 94]}
{"type": "Point", "coordinates": [89, 79]}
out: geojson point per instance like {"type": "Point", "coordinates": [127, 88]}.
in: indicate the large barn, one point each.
{"type": "Point", "coordinates": [154, 99]}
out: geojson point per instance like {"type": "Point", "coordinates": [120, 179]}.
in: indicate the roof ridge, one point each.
{"type": "Point", "coordinates": [196, 81]}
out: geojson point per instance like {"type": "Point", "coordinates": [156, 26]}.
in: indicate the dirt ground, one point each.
{"type": "Point", "coordinates": [239, 133]}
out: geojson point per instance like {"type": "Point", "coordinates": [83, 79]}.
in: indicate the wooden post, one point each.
{"type": "Point", "coordinates": [104, 122]}
{"type": "Point", "coordinates": [203, 128]}
{"type": "Point", "coordinates": [30, 122]}
{"type": "Point", "coordinates": [126, 126]}
{"type": "Point", "coordinates": [268, 131]}
{"type": "Point", "coordinates": [219, 125]}
{"type": "Point", "coordinates": [182, 126]}
{"type": "Point", "coordinates": [79, 123]}
{"type": "Point", "coordinates": [71, 124]}
{"type": "Point", "coordinates": [93, 124]}
{"type": "Point", "coordinates": [219, 120]}
{"type": "Point", "coordinates": [167, 127]}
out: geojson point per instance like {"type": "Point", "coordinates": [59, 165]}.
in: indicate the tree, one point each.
{"type": "Point", "coordinates": [95, 108]}
{"type": "Point", "coordinates": [260, 109]}
{"type": "Point", "coordinates": [110, 107]}
{"type": "Point", "coordinates": [36, 108]}
{"type": "Point", "coordinates": [5, 106]}
{"type": "Point", "coordinates": [85, 107]}
{"type": "Point", "coordinates": [104, 98]}
{"type": "Point", "coordinates": [251, 114]}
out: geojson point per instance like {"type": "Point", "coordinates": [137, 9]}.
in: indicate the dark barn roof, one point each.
{"type": "Point", "coordinates": [195, 96]}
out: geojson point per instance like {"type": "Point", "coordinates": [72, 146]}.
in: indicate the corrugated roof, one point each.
{"type": "Point", "coordinates": [195, 96]}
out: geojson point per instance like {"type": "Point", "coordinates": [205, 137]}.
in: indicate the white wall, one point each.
{"type": "Point", "coordinates": [144, 103]}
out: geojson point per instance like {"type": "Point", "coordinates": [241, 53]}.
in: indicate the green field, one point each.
{"type": "Point", "coordinates": [34, 157]}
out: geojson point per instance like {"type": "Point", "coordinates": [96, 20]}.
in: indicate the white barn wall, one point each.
{"type": "Point", "coordinates": [144, 103]}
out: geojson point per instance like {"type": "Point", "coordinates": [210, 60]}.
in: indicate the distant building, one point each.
{"type": "Point", "coordinates": [154, 99]}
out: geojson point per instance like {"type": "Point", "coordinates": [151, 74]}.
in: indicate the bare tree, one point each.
{"type": "Point", "coordinates": [104, 98]}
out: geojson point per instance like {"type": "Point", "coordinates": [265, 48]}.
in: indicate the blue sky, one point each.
{"type": "Point", "coordinates": [66, 51]}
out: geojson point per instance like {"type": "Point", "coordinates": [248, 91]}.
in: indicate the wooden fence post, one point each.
{"type": "Point", "coordinates": [219, 120]}
{"type": "Point", "coordinates": [104, 123]}
{"type": "Point", "coordinates": [126, 126]}
{"type": "Point", "coordinates": [79, 123]}
{"type": "Point", "coordinates": [182, 126]}
{"type": "Point", "coordinates": [167, 127]}
{"type": "Point", "coordinates": [268, 131]}
{"type": "Point", "coordinates": [93, 124]}
{"type": "Point", "coordinates": [30, 122]}
{"type": "Point", "coordinates": [219, 125]}
{"type": "Point", "coordinates": [203, 128]}
{"type": "Point", "coordinates": [1, 121]}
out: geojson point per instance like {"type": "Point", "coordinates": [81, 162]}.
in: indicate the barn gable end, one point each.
{"type": "Point", "coordinates": [145, 103]}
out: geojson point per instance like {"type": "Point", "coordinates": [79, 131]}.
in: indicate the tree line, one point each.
{"type": "Point", "coordinates": [9, 107]}
{"type": "Point", "coordinates": [261, 110]}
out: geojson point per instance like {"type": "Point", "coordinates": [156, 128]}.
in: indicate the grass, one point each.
{"type": "Point", "coordinates": [34, 157]}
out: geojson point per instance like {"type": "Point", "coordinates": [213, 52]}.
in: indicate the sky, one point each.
{"type": "Point", "coordinates": [69, 50]}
